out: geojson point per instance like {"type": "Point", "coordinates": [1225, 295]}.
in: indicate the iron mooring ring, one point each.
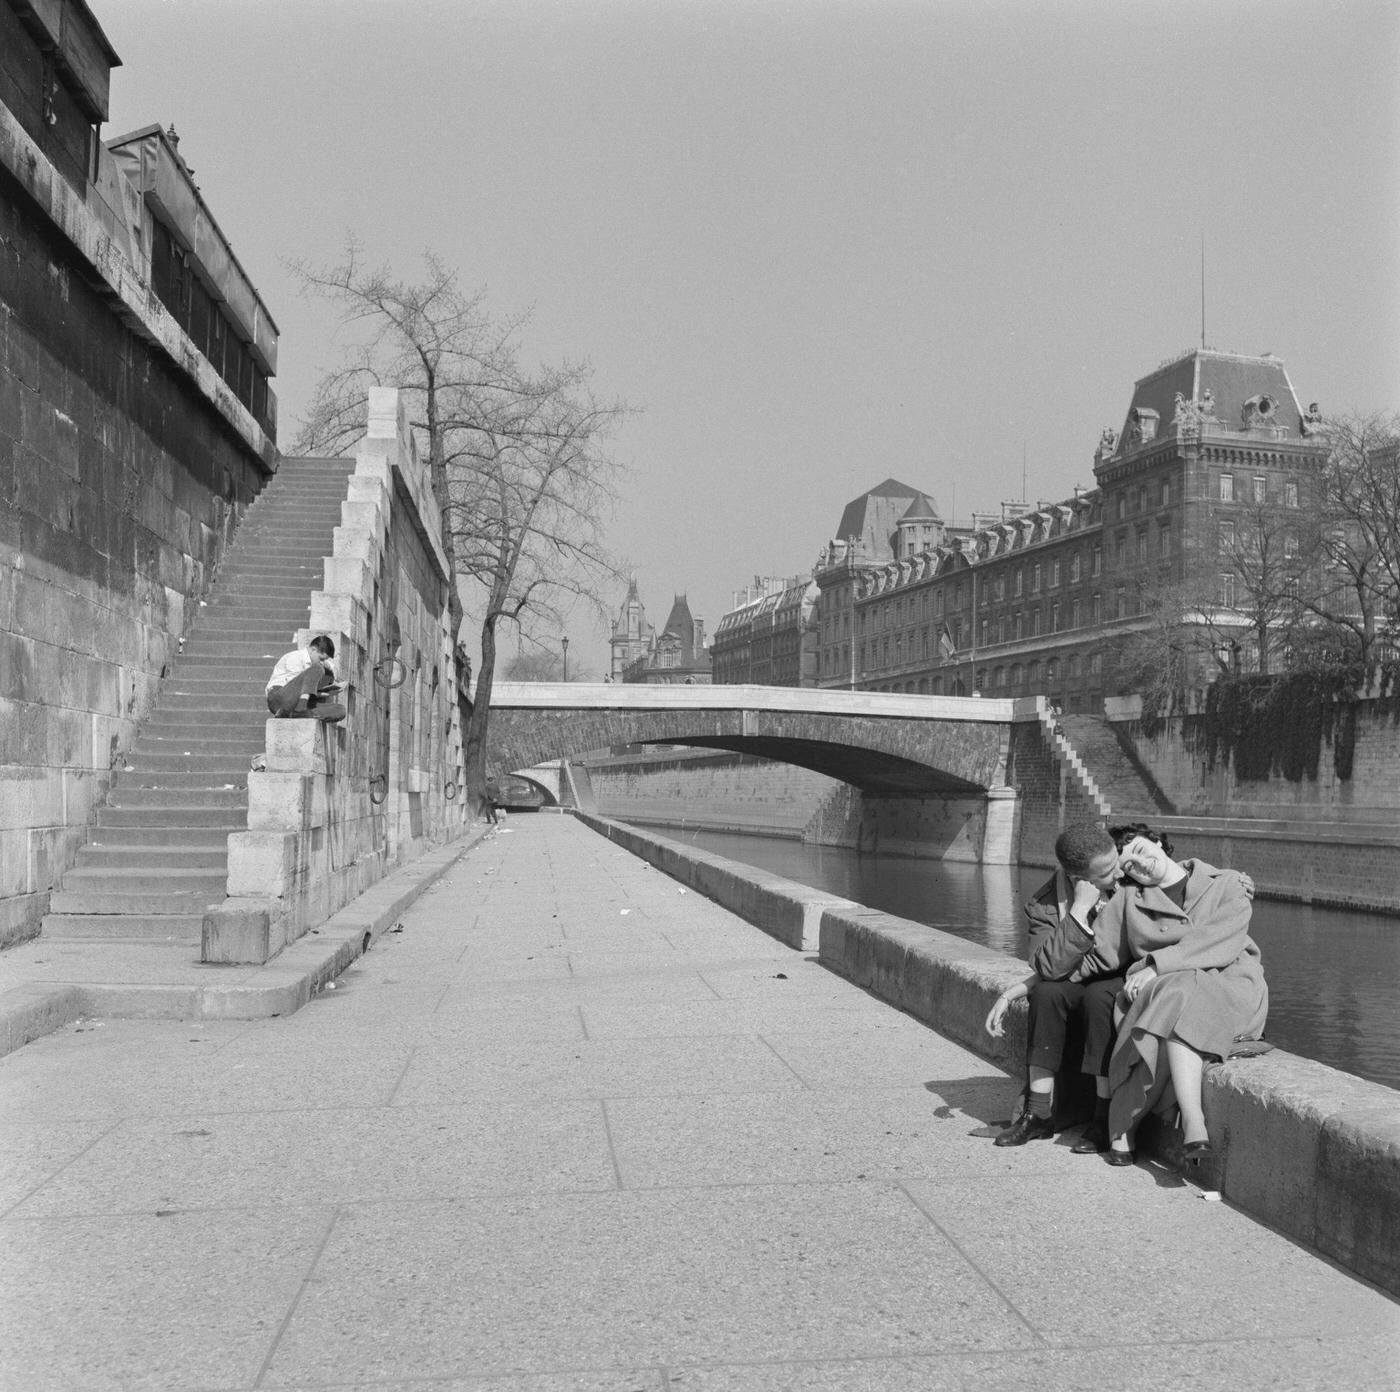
{"type": "Point", "coordinates": [449, 791]}
{"type": "Point", "coordinates": [383, 781]}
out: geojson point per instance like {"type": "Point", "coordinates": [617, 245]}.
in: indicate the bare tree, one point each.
{"type": "Point", "coordinates": [518, 459]}
{"type": "Point", "coordinates": [1263, 556]}
{"type": "Point", "coordinates": [1354, 541]}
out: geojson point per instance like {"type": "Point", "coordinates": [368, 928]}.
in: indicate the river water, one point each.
{"type": "Point", "coordinates": [1334, 977]}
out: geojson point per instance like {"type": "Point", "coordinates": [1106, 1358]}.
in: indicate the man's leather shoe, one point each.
{"type": "Point", "coordinates": [1119, 1157]}
{"type": "Point", "coordinates": [1094, 1139]}
{"type": "Point", "coordinates": [1027, 1128]}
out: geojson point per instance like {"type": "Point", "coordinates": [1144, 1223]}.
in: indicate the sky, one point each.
{"type": "Point", "coordinates": [814, 245]}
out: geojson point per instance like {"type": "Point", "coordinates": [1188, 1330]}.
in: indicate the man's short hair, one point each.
{"type": "Point", "coordinates": [323, 643]}
{"type": "Point", "coordinates": [1078, 846]}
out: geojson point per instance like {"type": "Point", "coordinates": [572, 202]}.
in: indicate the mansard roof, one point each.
{"type": "Point", "coordinates": [874, 516]}
{"type": "Point", "coordinates": [1232, 379]}
{"type": "Point", "coordinates": [922, 509]}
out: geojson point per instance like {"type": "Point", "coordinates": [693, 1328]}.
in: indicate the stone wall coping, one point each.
{"type": "Point", "coordinates": [1308, 1149]}
{"type": "Point", "coordinates": [136, 303]}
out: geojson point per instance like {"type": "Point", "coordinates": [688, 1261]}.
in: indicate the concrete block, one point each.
{"type": "Point", "coordinates": [261, 862]}
{"type": "Point", "coordinates": [1358, 1187]}
{"type": "Point", "coordinates": [348, 575]}
{"type": "Point", "coordinates": [238, 930]}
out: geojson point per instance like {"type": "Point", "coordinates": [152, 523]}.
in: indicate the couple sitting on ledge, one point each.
{"type": "Point", "coordinates": [306, 674]}
{"type": "Point", "coordinates": [1155, 956]}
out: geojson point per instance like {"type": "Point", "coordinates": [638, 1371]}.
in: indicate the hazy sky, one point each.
{"type": "Point", "coordinates": [816, 244]}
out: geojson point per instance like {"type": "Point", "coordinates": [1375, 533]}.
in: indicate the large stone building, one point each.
{"type": "Point", "coordinates": [136, 425]}
{"type": "Point", "coordinates": [1037, 600]}
{"type": "Point", "coordinates": [769, 639]}
{"type": "Point", "coordinates": [675, 656]}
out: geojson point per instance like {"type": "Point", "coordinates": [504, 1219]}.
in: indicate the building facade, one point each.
{"type": "Point", "coordinates": [770, 640]}
{"type": "Point", "coordinates": [1040, 600]}
{"type": "Point", "coordinates": [675, 656]}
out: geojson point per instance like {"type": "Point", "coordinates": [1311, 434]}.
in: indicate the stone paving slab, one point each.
{"type": "Point", "coordinates": [697, 1162]}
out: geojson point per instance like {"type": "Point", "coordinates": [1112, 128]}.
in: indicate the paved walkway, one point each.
{"type": "Point", "coordinates": [574, 1128]}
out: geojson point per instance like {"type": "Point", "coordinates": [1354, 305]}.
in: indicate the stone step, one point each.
{"type": "Point", "coordinates": [232, 776]}
{"type": "Point", "coordinates": [181, 836]}
{"type": "Point", "coordinates": [139, 796]}
{"type": "Point", "coordinates": [217, 763]}
{"type": "Point", "coordinates": [104, 856]}
{"type": "Point", "coordinates": [136, 900]}
{"type": "Point", "coordinates": [148, 927]}
{"type": "Point", "coordinates": [162, 820]}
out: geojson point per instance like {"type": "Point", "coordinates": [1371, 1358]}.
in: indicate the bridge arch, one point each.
{"type": "Point", "coordinates": [884, 745]}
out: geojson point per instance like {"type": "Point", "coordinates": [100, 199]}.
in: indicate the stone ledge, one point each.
{"type": "Point", "coordinates": [1311, 1151]}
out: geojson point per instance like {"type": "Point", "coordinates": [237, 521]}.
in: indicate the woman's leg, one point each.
{"type": "Point", "coordinates": [1187, 1068]}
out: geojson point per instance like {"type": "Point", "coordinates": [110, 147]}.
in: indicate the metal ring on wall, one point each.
{"type": "Point", "coordinates": [395, 675]}
{"type": "Point", "coordinates": [383, 781]}
{"type": "Point", "coordinates": [449, 791]}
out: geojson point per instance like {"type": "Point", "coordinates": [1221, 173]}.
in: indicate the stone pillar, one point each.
{"type": "Point", "coordinates": [999, 839]}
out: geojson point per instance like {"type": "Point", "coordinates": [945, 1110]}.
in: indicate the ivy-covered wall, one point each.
{"type": "Point", "coordinates": [1303, 740]}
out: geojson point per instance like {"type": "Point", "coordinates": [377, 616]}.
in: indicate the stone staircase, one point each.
{"type": "Point", "coordinates": [158, 854]}
{"type": "Point", "coordinates": [1128, 789]}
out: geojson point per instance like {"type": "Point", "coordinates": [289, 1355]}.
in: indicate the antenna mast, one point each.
{"type": "Point", "coordinates": [1203, 287]}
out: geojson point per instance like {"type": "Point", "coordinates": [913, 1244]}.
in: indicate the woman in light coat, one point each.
{"type": "Point", "coordinates": [1196, 987]}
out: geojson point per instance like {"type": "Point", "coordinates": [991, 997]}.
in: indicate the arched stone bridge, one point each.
{"type": "Point", "coordinates": [885, 745]}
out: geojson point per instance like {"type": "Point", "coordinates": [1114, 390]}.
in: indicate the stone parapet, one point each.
{"type": "Point", "coordinates": [1308, 1149]}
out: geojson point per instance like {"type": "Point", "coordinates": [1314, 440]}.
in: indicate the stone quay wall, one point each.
{"type": "Point", "coordinates": [1310, 1150]}
{"type": "Point", "coordinates": [340, 806]}
{"type": "Point", "coordinates": [125, 463]}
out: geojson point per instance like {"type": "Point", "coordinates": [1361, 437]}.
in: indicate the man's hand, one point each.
{"type": "Point", "coordinates": [1086, 897]}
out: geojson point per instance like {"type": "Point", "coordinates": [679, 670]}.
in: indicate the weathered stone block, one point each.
{"type": "Point", "coordinates": [278, 798]}
{"type": "Point", "coordinates": [261, 862]}
{"type": "Point", "coordinates": [296, 746]}
{"type": "Point", "coordinates": [238, 930]}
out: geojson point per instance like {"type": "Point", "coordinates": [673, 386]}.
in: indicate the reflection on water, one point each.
{"type": "Point", "coordinates": [1334, 977]}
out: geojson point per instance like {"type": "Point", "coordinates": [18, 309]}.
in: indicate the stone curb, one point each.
{"type": "Point", "coordinates": [1310, 1150]}
{"type": "Point", "coordinates": [280, 987]}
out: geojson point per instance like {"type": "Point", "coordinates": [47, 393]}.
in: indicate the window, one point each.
{"type": "Point", "coordinates": [1227, 488]}
{"type": "Point", "coordinates": [1120, 603]}
{"type": "Point", "coordinates": [1052, 671]}
{"type": "Point", "coordinates": [1000, 588]}
{"type": "Point", "coordinates": [1120, 549]}
{"type": "Point", "coordinates": [1002, 629]}
{"type": "Point", "coordinates": [1075, 568]}
{"type": "Point", "coordinates": [938, 603]}
{"type": "Point", "coordinates": [1072, 663]}
{"type": "Point", "coordinates": [1054, 573]}
{"type": "Point", "coordinates": [1095, 607]}
{"type": "Point", "coordinates": [1166, 493]}
{"type": "Point", "coordinates": [1035, 622]}
{"type": "Point", "coordinates": [1227, 589]}
{"type": "Point", "coordinates": [1055, 617]}
{"type": "Point", "coordinates": [1290, 544]}
{"type": "Point", "coordinates": [1097, 566]}
{"type": "Point", "coordinates": [1020, 624]}
{"type": "Point", "coordinates": [1141, 498]}
{"type": "Point", "coordinates": [1096, 663]}
{"type": "Point", "coordinates": [1227, 536]}
{"type": "Point", "coordinates": [1164, 539]}
{"type": "Point", "coordinates": [1015, 674]}
{"type": "Point", "coordinates": [1075, 613]}
{"type": "Point", "coordinates": [1142, 544]}
{"type": "Point", "coordinates": [1290, 494]}
{"type": "Point", "coordinates": [1035, 578]}
{"type": "Point", "coordinates": [1122, 506]}
{"type": "Point", "coordinates": [1033, 673]}
{"type": "Point", "coordinates": [1019, 584]}
{"type": "Point", "coordinates": [985, 631]}
{"type": "Point", "coordinates": [1261, 489]}
{"type": "Point", "coordinates": [1000, 676]}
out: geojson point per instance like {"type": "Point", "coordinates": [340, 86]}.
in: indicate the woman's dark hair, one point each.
{"type": "Point", "coordinates": [1123, 834]}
